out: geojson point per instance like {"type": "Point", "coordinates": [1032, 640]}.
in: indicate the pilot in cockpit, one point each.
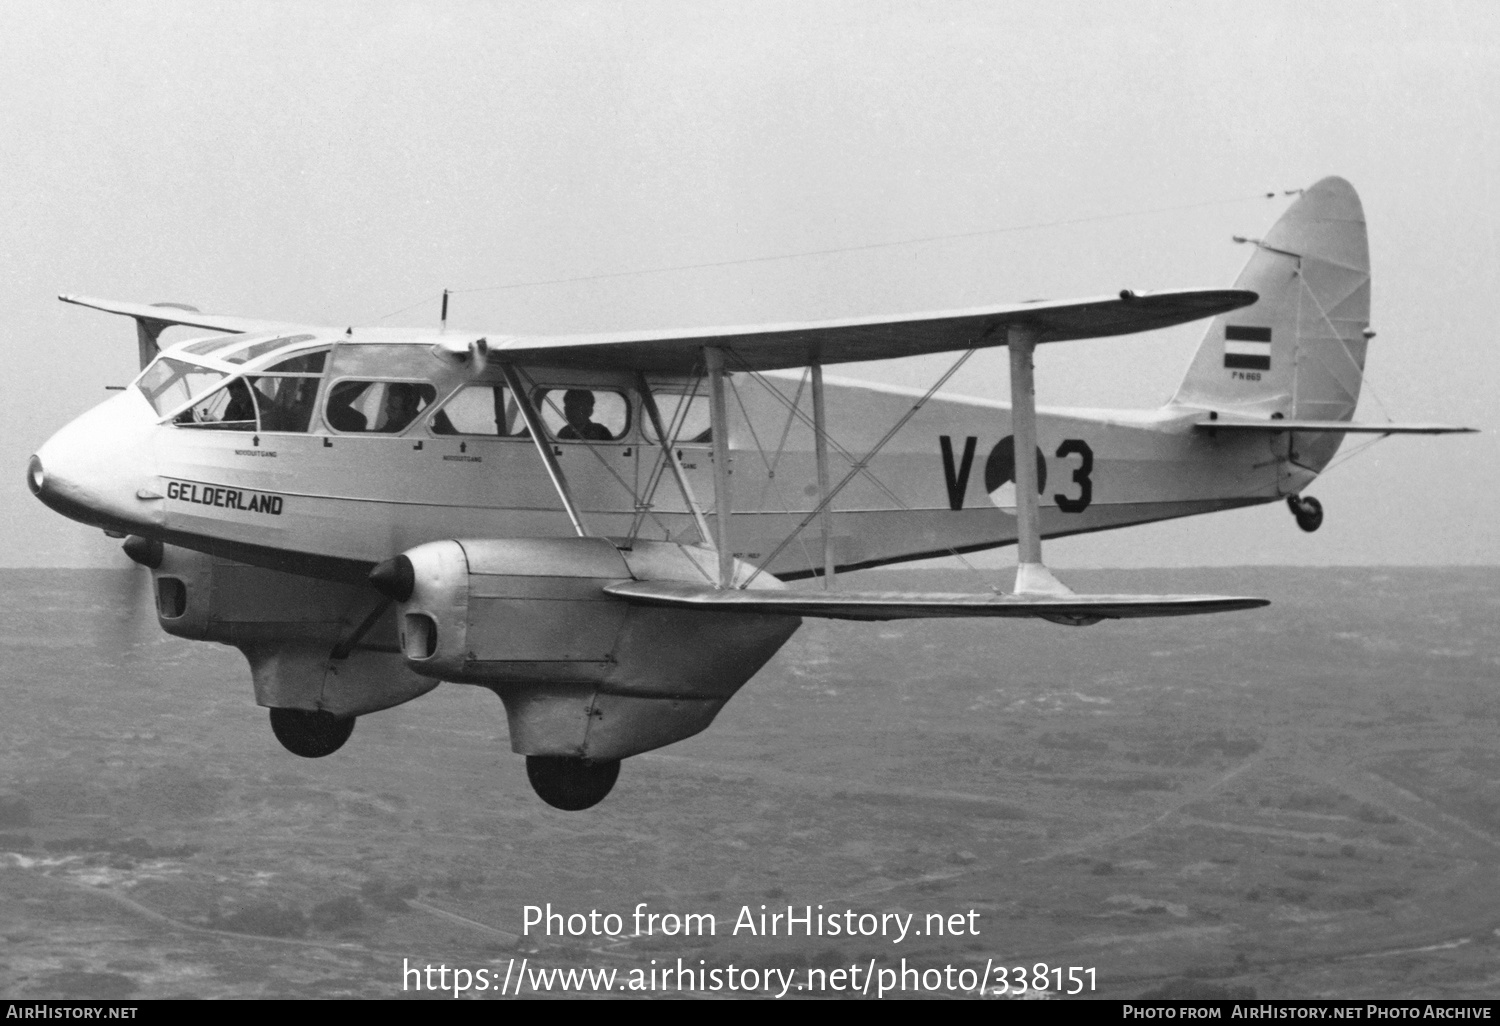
{"type": "Point", "coordinates": [403, 401]}
{"type": "Point", "coordinates": [239, 414]}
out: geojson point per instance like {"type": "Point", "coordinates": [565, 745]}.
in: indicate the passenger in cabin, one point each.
{"type": "Point", "coordinates": [340, 413]}
{"type": "Point", "coordinates": [578, 410]}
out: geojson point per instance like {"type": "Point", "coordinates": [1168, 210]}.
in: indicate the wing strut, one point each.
{"type": "Point", "coordinates": [1032, 575]}
{"type": "Point", "coordinates": [820, 444]}
{"type": "Point", "coordinates": [543, 447]}
{"type": "Point", "coordinates": [713, 358]}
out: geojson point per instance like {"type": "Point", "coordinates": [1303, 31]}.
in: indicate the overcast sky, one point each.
{"type": "Point", "coordinates": [337, 162]}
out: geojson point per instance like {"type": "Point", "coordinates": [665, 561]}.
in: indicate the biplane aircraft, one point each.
{"type": "Point", "coordinates": [365, 513]}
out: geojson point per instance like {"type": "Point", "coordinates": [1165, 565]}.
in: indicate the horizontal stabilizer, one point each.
{"type": "Point", "coordinates": [1341, 427]}
{"type": "Point", "coordinates": [897, 605]}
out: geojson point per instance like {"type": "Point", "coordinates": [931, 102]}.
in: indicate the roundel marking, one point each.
{"type": "Point", "coordinates": [1000, 468]}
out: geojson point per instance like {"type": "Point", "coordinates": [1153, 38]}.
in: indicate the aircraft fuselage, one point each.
{"type": "Point", "coordinates": [333, 503]}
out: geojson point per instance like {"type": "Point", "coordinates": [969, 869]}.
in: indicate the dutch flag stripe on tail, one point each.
{"type": "Point", "coordinates": [1247, 348]}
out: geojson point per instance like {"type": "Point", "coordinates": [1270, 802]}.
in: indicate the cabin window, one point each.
{"type": "Point", "coordinates": [231, 408]}
{"type": "Point", "coordinates": [480, 410]}
{"type": "Point", "coordinates": [167, 383]}
{"type": "Point", "coordinates": [286, 402]}
{"type": "Point", "coordinates": [260, 349]}
{"type": "Point", "coordinates": [213, 345]}
{"type": "Point", "coordinates": [376, 407]}
{"type": "Point", "coordinates": [687, 418]}
{"type": "Point", "coordinates": [307, 363]}
{"type": "Point", "coordinates": [585, 415]}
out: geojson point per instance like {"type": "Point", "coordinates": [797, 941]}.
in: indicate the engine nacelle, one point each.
{"type": "Point", "coordinates": [581, 672]}
{"type": "Point", "coordinates": [287, 626]}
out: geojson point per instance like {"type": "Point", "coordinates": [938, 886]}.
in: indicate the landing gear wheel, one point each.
{"type": "Point", "coordinates": [310, 734]}
{"type": "Point", "coordinates": [568, 783]}
{"type": "Point", "coordinates": [1308, 511]}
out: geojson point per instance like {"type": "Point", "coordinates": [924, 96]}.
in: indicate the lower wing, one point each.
{"type": "Point", "coordinates": [895, 605]}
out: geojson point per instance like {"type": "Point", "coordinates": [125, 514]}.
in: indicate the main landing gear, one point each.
{"type": "Point", "coordinates": [1308, 511]}
{"type": "Point", "coordinates": [311, 734]}
{"type": "Point", "coordinates": [569, 783]}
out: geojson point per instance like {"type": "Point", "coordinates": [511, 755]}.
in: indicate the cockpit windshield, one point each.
{"type": "Point", "coordinates": [169, 383]}
{"type": "Point", "coordinates": [279, 398]}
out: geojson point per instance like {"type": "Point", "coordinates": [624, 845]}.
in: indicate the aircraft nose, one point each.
{"type": "Point", "coordinates": [36, 477]}
{"type": "Point", "coordinates": [95, 469]}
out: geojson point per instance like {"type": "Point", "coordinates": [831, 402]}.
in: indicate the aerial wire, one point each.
{"type": "Point", "coordinates": [865, 247]}
{"type": "Point", "coordinates": [426, 298]}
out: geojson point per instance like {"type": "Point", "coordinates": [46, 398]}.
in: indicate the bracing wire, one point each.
{"type": "Point", "coordinates": [794, 409]}
{"type": "Point", "coordinates": [770, 467]}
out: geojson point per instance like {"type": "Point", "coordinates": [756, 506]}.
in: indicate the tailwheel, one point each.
{"type": "Point", "coordinates": [311, 734]}
{"type": "Point", "coordinates": [1308, 511]}
{"type": "Point", "coordinates": [569, 783]}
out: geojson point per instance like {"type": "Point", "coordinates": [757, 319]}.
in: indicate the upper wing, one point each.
{"type": "Point", "coordinates": [768, 347]}
{"type": "Point", "coordinates": [874, 338]}
{"type": "Point", "coordinates": [165, 316]}
{"type": "Point", "coordinates": [887, 605]}
{"type": "Point", "coordinates": [1341, 427]}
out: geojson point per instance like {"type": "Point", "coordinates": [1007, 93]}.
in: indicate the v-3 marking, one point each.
{"type": "Point", "coordinates": [957, 478]}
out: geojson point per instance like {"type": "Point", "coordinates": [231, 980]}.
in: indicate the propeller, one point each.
{"type": "Point", "coordinates": [129, 616]}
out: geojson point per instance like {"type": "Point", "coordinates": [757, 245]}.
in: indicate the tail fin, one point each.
{"type": "Point", "coordinates": [1300, 350]}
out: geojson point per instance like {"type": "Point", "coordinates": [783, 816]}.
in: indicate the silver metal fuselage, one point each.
{"type": "Point", "coordinates": [333, 504]}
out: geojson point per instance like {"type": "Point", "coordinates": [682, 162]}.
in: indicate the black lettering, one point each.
{"type": "Point", "coordinates": [227, 498]}
{"type": "Point", "coordinates": [1078, 447]}
{"type": "Point", "coordinates": [958, 483]}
